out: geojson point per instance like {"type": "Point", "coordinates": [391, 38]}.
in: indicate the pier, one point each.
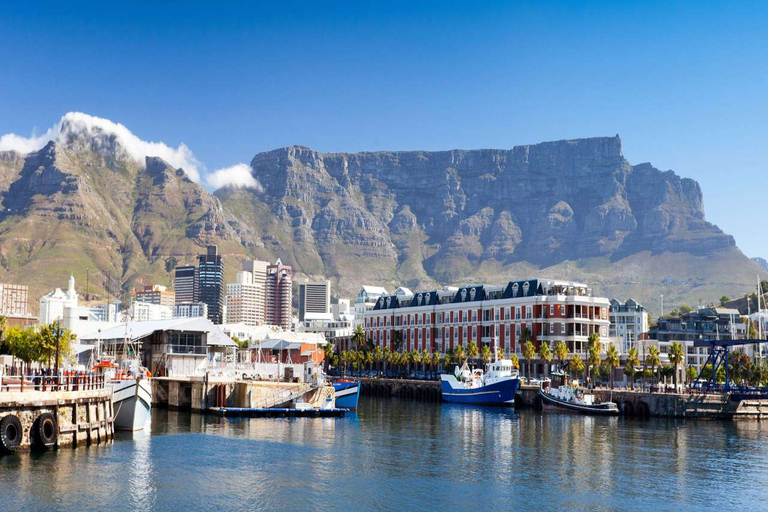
{"type": "Point", "coordinates": [77, 412]}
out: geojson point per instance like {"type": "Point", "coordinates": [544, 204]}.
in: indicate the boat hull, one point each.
{"type": "Point", "coordinates": [347, 394]}
{"type": "Point", "coordinates": [132, 403]}
{"type": "Point", "coordinates": [501, 392]}
{"type": "Point", "coordinates": [550, 403]}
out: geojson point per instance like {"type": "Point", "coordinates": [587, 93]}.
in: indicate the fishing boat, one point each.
{"type": "Point", "coordinates": [131, 389]}
{"type": "Point", "coordinates": [347, 394]}
{"type": "Point", "coordinates": [557, 394]}
{"type": "Point", "coordinates": [497, 385]}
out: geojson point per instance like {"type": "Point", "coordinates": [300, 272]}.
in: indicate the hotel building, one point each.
{"type": "Point", "coordinates": [441, 320]}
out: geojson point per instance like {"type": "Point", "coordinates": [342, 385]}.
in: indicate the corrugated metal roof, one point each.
{"type": "Point", "coordinates": [138, 330]}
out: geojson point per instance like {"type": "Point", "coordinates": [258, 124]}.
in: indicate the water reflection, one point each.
{"type": "Point", "coordinates": [399, 455]}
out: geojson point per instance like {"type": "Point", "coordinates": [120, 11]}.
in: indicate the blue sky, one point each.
{"type": "Point", "coordinates": [684, 83]}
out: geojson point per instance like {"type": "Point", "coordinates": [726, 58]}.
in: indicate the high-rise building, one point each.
{"type": "Point", "coordinates": [185, 284]}
{"type": "Point", "coordinates": [13, 299]}
{"type": "Point", "coordinates": [190, 310]}
{"type": "Point", "coordinates": [156, 294]}
{"type": "Point", "coordinates": [210, 272]}
{"type": "Point", "coordinates": [245, 300]}
{"type": "Point", "coordinates": [314, 297]}
{"type": "Point", "coordinates": [279, 295]}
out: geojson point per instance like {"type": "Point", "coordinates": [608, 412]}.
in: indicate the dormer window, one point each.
{"type": "Point", "coordinates": [463, 294]}
{"type": "Point", "coordinates": [472, 293]}
{"type": "Point", "coordinates": [427, 297]}
{"type": "Point", "coordinates": [526, 286]}
{"type": "Point", "coordinates": [515, 288]}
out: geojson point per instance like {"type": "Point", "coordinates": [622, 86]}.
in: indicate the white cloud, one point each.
{"type": "Point", "coordinates": [77, 122]}
{"type": "Point", "coordinates": [238, 175]}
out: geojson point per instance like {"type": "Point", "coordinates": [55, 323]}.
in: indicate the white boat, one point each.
{"type": "Point", "coordinates": [496, 386]}
{"type": "Point", "coordinates": [131, 389]}
{"type": "Point", "coordinates": [558, 395]}
{"type": "Point", "coordinates": [131, 402]}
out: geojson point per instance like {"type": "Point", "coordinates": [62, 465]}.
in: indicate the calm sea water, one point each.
{"type": "Point", "coordinates": [400, 455]}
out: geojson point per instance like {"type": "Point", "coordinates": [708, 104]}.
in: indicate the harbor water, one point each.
{"type": "Point", "coordinates": [403, 455]}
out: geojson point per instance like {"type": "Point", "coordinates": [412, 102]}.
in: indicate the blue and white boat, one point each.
{"type": "Point", "coordinates": [347, 394]}
{"type": "Point", "coordinates": [496, 386]}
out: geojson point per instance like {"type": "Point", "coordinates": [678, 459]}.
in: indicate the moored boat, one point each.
{"type": "Point", "coordinates": [559, 395]}
{"type": "Point", "coordinates": [496, 385]}
{"type": "Point", "coordinates": [347, 394]}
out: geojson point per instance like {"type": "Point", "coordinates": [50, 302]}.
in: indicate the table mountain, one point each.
{"type": "Point", "coordinates": [572, 209]}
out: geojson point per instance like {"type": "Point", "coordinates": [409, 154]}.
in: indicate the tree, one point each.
{"type": "Point", "coordinates": [577, 365]}
{"type": "Point", "coordinates": [435, 361]}
{"type": "Point", "coordinates": [561, 352]}
{"type": "Point", "coordinates": [515, 361]}
{"type": "Point", "coordinates": [529, 352]}
{"type": "Point", "coordinates": [612, 360]}
{"type": "Point", "coordinates": [685, 308]}
{"type": "Point", "coordinates": [724, 299]}
{"type": "Point", "coordinates": [369, 359]}
{"type": "Point", "coordinates": [21, 345]}
{"type": "Point", "coordinates": [653, 360]}
{"type": "Point", "coordinates": [328, 355]}
{"type": "Point", "coordinates": [240, 343]}
{"type": "Point", "coordinates": [485, 354]}
{"type": "Point", "coordinates": [545, 354]}
{"type": "Point", "coordinates": [690, 374]}
{"type": "Point", "coordinates": [45, 338]}
{"type": "Point", "coordinates": [415, 358]}
{"type": "Point", "coordinates": [593, 349]}
{"type": "Point", "coordinates": [472, 351]}
{"type": "Point", "coordinates": [358, 337]}
{"type": "Point", "coordinates": [387, 357]}
{"type": "Point", "coordinates": [426, 357]}
{"type": "Point", "coordinates": [676, 357]}
{"type": "Point", "coordinates": [344, 362]}
{"type": "Point", "coordinates": [458, 355]}
{"type": "Point", "coordinates": [447, 358]}
{"type": "Point", "coordinates": [632, 363]}
{"type": "Point", "coordinates": [378, 356]}
{"type": "Point", "coordinates": [397, 340]}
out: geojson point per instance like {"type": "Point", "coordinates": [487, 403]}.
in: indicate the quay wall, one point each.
{"type": "Point", "coordinates": [424, 390]}
{"type": "Point", "coordinates": [81, 417]}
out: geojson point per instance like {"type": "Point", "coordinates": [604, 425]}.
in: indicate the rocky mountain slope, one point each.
{"type": "Point", "coordinates": [82, 203]}
{"type": "Point", "coordinates": [762, 263]}
{"type": "Point", "coordinates": [570, 209]}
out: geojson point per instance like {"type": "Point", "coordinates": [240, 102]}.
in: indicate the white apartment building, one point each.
{"type": "Point", "coordinates": [52, 305]}
{"type": "Point", "coordinates": [190, 310]}
{"type": "Point", "coordinates": [314, 297]}
{"type": "Point", "coordinates": [146, 311]}
{"type": "Point", "coordinates": [628, 322]}
{"type": "Point", "coordinates": [13, 299]}
{"type": "Point", "coordinates": [366, 300]}
{"type": "Point", "coordinates": [245, 298]}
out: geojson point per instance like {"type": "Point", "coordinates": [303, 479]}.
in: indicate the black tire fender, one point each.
{"type": "Point", "coordinates": [11, 433]}
{"type": "Point", "coordinates": [45, 431]}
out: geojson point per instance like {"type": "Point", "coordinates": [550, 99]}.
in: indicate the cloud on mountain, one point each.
{"type": "Point", "coordinates": [74, 123]}
{"type": "Point", "coordinates": [238, 175]}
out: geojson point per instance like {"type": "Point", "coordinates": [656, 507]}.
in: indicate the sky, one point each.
{"type": "Point", "coordinates": [685, 84]}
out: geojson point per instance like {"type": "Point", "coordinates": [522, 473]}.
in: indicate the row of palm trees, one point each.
{"type": "Point", "coordinates": [366, 355]}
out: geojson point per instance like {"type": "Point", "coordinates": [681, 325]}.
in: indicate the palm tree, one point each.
{"type": "Point", "coordinates": [561, 352]}
{"type": "Point", "coordinates": [632, 363]}
{"type": "Point", "coordinates": [529, 352]}
{"type": "Point", "coordinates": [577, 365]}
{"type": "Point", "coordinates": [593, 357]}
{"type": "Point", "coordinates": [653, 360]}
{"type": "Point", "coordinates": [435, 361]}
{"type": "Point", "coordinates": [612, 360]}
{"type": "Point", "coordinates": [378, 356]}
{"type": "Point", "coordinates": [472, 351]}
{"type": "Point", "coordinates": [447, 358]}
{"type": "Point", "coordinates": [397, 340]}
{"type": "Point", "coordinates": [676, 357]}
{"type": "Point", "coordinates": [415, 358]}
{"type": "Point", "coordinates": [426, 357]}
{"type": "Point", "coordinates": [515, 361]}
{"type": "Point", "coordinates": [328, 355]}
{"type": "Point", "coordinates": [458, 355]}
{"type": "Point", "coordinates": [545, 354]}
{"type": "Point", "coordinates": [387, 357]}
{"type": "Point", "coordinates": [358, 337]}
{"type": "Point", "coordinates": [485, 354]}
{"type": "Point", "coordinates": [344, 362]}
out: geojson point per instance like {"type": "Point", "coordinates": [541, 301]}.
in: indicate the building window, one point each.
{"type": "Point", "coordinates": [551, 310]}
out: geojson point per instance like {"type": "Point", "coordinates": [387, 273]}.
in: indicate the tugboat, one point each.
{"type": "Point", "coordinates": [496, 386]}
{"type": "Point", "coordinates": [558, 395]}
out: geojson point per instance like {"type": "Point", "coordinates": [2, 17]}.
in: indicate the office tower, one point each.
{"type": "Point", "coordinates": [279, 295]}
{"type": "Point", "coordinates": [210, 279]}
{"type": "Point", "coordinates": [185, 284]}
{"type": "Point", "coordinates": [245, 299]}
{"type": "Point", "coordinates": [314, 297]}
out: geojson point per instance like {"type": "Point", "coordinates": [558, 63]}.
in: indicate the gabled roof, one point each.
{"type": "Point", "coordinates": [474, 293]}
{"type": "Point", "coordinates": [373, 290]}
{"type": "Point", "coordinates": [138, 330]}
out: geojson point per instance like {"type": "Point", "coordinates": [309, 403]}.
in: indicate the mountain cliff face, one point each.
{"type": "Point", "coordinates": [572, 209]}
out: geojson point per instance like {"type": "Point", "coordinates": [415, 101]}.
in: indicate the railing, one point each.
{"type": "Point", "coordinates": [76, 381]}
{"type": "Point", "coordinates": [195, 350]}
